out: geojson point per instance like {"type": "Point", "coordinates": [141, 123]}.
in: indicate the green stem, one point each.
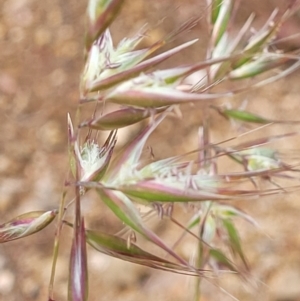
{"type": "Point", "coordinates": [197, 294]}
{"type": "Point", "coordinates": [56, 246]}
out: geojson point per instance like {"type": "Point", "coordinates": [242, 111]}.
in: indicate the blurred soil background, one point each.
{"type": "Point", "coordinates": [41, 58]}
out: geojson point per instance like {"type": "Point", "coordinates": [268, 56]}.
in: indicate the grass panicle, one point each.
{"type": "Point", "coordinates": [126, 76]}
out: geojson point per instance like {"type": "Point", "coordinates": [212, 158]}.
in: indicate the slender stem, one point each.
{"type": "Point", "coordinates": [77, 201]}
{"type": "Point", "coordinates": [56, 245]}
{"type": "Point", "coordinates": [199, 263]}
